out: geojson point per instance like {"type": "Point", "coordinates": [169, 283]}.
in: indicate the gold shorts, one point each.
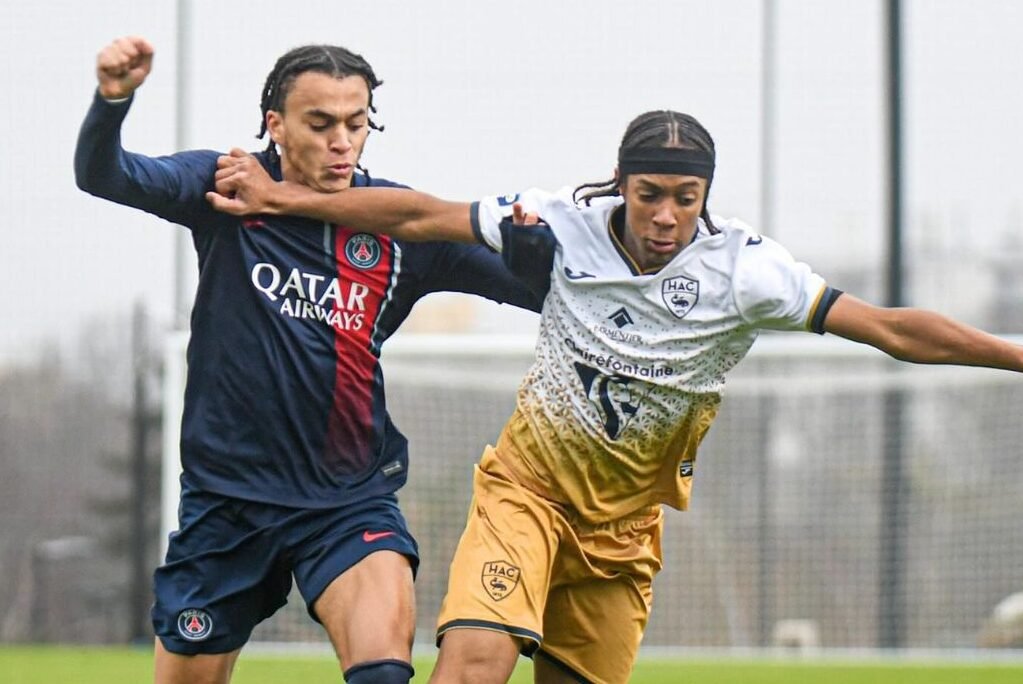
{"type": "Point", "coordinates": [527, 567]}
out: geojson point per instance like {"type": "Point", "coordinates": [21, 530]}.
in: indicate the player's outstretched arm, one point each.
{"type": "Point", "coordinates": [122, 66]}
{"type": "Point", "coordinates": [920, 336]}
{"type": "Point", "coordinates": [244, 187]}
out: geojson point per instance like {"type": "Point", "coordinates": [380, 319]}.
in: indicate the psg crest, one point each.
{"type": "Point", "coordinates": [499, 578]}
{"type": "Point", "coordinates": [194, 624]}
{"type": "Point", "coordinates": [363, 250]}
{"type": "Point", "coordinates": [680, 294]}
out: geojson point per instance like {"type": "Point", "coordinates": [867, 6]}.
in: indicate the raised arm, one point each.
{"type": "Point", "coordinates": [244, 187]}
{"type": "Point", "coordinates": [171, 187]}
{"type": "Point", "coordinates": [920, 336]}
{"type": "Point", "coordinates": [121, 67]}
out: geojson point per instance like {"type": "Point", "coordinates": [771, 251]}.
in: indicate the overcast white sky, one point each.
{"type": "Point", "coordinates": [490, 97]}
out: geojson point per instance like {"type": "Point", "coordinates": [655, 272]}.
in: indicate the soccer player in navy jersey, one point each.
{"type": "Point", "coordinates": [652, 301]}
{"type": "Point", "coordinates": [290, 461]}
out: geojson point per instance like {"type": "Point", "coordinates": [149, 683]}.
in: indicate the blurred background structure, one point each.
{"type": "Point", "coordinates": [785, 534]}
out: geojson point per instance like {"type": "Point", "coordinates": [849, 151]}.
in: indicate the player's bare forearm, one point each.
{"type": "Point", "coordinates": [921, 336]}
{"type": "Point", "coordinates": [401, 213]}
{"type": "Point", "coordinates": [242, 186]}
{"type": "Point", "coordinates": [927, 337]}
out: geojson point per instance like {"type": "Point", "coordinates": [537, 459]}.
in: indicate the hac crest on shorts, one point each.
{"type": "Point", "coordinates": [363, 250]}
{"type": "Point", "coordinates": [680, 294]}
{"type": "Point", "coordinates": [194, 624]}
{"type": "Point", "coordinates": [499, 578]}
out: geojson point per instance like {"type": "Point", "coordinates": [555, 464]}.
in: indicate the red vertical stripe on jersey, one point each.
{"type": "Point", "coordinates": [350, 423]}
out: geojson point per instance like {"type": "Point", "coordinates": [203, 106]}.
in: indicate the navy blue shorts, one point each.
{"type": "Point", "coordinates": [229, 565]}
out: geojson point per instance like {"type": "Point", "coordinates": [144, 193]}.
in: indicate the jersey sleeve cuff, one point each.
{"type": "Point", "coordinates": [824, 303]}
{"type": "Point", "coordinates": [115, 102]}
{"type": "Point", "coordinates": [474, 220]}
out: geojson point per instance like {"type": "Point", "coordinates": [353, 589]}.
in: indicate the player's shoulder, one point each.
{"type": "Point", "coordinates": [565, 196]}
{"type": "Point", "coordinates": [563, 199]}
{"type": "Point", "coordinates": [596, 206]}
{"type": "Point", "coordinates": [761, 268]}
{"type": "Point", "coordinates": [188, 169]}
{"type": "Point", "coordinates": [272, 164]}
{"type": "Point", "coordinates": [197, 157]}
{"type": "Point", "coordinates": [551, 207]}
{"type": "Point", "coordinates": [732, 229]}
{"type": "Point", "coordinates": [593, 213]}
{"type": "Point", "coordinates": [741, 239]}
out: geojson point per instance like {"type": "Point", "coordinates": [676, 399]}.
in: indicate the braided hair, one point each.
{"type": "Point", "coordinates": [656, 129]}
{"type": "Point", "coordinates": [332, 60]}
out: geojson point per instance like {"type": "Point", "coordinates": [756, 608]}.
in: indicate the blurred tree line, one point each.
{"type": "Point", "coordinates": [79, 486]}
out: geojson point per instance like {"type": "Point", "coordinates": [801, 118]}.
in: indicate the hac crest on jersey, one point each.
{"type": "Point", "coordinates": [499, 578]}
{"type": "Point", "coordinates": [680, 294]}
{"type": "Point", "coordinates": [363, 250]}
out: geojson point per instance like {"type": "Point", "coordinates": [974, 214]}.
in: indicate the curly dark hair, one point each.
{"type": "Point", "coordinates": [332, 60]}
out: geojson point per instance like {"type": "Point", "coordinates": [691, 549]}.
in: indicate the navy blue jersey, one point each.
{"type": "Point", "coordinates": [284, 401]}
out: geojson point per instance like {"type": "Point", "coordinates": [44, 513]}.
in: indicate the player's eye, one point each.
{"type": "Point", "coordinates": [319, 127]}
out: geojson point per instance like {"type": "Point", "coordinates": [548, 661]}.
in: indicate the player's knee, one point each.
{"type": "Point", "coordinates": [380, 672]}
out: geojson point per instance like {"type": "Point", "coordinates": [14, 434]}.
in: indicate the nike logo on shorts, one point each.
{"type": "Point", "coordinates": [368, 536]}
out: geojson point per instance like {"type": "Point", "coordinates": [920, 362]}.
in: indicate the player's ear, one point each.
{"type": "Point", "coordinates": [275, 126]}
{"type": "Point", "coordinates": [620, 182]}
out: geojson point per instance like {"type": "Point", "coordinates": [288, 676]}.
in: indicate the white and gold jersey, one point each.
{"type": "Point", "coordinates": [629, 366]}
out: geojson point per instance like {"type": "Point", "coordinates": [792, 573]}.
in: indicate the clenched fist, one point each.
{"type": "Point", "coordinates": [122, 66]}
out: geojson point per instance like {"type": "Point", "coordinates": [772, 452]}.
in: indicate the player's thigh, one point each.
{"type": "Point", "coordinates": [369, 610]}
{"type": "Point", "coordinates": [354, 566]}
{"type": "Point", "coordinates": [172, 668]}
{"type": "Point", "coordinates": [593, 630]}
{"type": "Point", "coordinates": [476, 656]}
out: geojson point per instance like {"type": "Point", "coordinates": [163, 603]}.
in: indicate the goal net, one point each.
{"type": "Point", "coordinates": [794, 533]}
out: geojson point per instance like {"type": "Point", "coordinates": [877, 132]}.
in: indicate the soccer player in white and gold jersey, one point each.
{"type": "Point", "coordinates": [650, 301]}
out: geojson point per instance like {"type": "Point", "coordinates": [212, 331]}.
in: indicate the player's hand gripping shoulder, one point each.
{"type": "Point", "coordinates": [122, 66]}
{"type": "Point", "coordinates": [242, 186]}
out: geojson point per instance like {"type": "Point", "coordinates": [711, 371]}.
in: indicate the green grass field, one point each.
{"type": "Point", "coordinates": [65, 665]}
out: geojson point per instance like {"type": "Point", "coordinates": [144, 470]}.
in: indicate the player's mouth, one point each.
{"type": "Point", "coordinates": [339, 170]}
{"type": "Point", "coordinates": [662, 246]}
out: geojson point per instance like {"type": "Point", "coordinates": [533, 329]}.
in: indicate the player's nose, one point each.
{"type": "Point", "coordinates": [664, 217]}
{"type": "Point", "coordinates": [340, 142]}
